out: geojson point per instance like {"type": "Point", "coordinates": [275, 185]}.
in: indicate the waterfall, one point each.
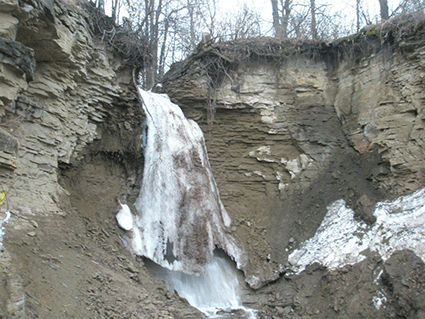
{"type": "Point", "coordinates": [180, 218]}
{"type": "Point", "coordinates": [216, 292]}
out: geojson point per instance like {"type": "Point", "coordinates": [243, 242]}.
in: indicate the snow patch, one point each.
{"type": "Point", "coordinates": [282, 185]}
{"type": "Point", "coordinates": [379, 299]}
{"type": "Point", "coordinates": [340, 239]}
{"type": "Point", "coordinates": [261, 154]}
{"type": "Point", "coordinates": [125, 218]}
{"type": "Point", "coordinates": [297, 165]}
{"type": "Point", "coordinates": [268, 116]}
{"type": "Point", "coordinates": [2, 228]}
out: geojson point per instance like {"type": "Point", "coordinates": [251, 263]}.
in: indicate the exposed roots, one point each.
{"type": "Point", "coordinates": [218, 60]}
{"type": "Point", "coordinates": [129, 44]}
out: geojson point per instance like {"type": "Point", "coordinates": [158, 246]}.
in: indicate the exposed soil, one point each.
{"type": "Point", "coordinates": [353, 291]}
{"type": "Point", "coordinates": [74, 265]}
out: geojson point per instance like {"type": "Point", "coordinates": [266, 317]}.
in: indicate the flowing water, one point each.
{"type": "Point", "coordinates": [216, 292]}
{"type": "Point", "coordinates": [180, 220]}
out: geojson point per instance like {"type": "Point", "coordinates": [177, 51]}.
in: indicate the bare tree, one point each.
{"type": "Point", "coordinates": [100, 4]}
{"type": "Point", "coordinates": [410, 6]}
{"type": "Point", "coordinates": [299, 24]}
{"type": "Point", "coordinates": [192, 16]}
{"type": "Point", "coordinates": [383, 4]}
{"type": "Point", "coordinates": [151, 20]}
{"type": "Point", "coordinates": [301, 18]}
{"type": "Point", "coordinates": [313, 19]}
{"type": "Point", "coordinates": [208, 14]}
{"type": "Point", "coordinates": [241, 24]}
{"type": "Point", "coordinates": [362, 16]}
{"type": "Point", "coordinates": [281, 16]}
{"type": "Point", "coordinates": [276, 19]}
{"type": "Point", "coordinates": [358, 15]}
{"type": "Point", "coordinates": [115, 6]}
{"type": "Point", "coordinates": [286, 12]}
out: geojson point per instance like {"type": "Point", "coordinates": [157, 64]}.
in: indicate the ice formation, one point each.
{"type": "Point", "coordinates": [379, 300]}
{"type": "Point", "coordinates": [180, 218]}
{"type": "Point", "coordinates": [124, 217]}
{"type": "Point", "coordinates": [2, 229]}
{"type": "Point", "coordinates": [340, 239]}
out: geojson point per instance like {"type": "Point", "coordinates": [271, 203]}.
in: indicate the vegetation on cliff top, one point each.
{"type": "Point", "coordinates": [395, 34]}
{"type": "Point", "coordinates": [131, 45]}
{"type": "Point", "coordinates": [217, 60]}
{"type": "Point", "coordinates": [171, 30]}
{"type": "Point", "coordinates": [139, 45]}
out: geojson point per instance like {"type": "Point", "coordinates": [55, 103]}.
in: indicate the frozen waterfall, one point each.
{"type": "Point", "coordinates": [180, 218]}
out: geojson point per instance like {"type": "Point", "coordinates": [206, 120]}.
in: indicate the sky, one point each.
{"type": "Point", "coordinates": [265, 5]}
{"type": "Point", "coordinates": [345, 22]}
{"type": "Point", "coordinates": [346, 7]}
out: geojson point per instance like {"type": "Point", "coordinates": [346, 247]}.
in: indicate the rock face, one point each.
{"type": "Point", "coordinates": [69, 147]}
{"type": "Point", "coordinates": [293, 132]}
{"type": "Point", "coordinates": [59, 92]}
{"type": "Point", "coordinates": [290, 128]}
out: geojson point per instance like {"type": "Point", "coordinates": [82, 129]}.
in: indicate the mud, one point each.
{"type": "Point", "coordinates": [74, 265]}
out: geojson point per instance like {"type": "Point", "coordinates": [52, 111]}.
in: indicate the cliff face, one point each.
{"type": "Point", "coordinates": [70, 127]}
{"type": "Point", "coordinates": [300, 125]}
{"type": "Point", "coordinates": [290, 128]}
{"type": "Point", "coordinates": [58, 89]}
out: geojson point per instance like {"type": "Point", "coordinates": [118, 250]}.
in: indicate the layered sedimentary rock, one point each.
{"type": "Point", "coordinates": [61, 90]}
{"type": "Point", "coordinates": [57, 89]}
{"type": "Point", "coordinates": [296, 126]}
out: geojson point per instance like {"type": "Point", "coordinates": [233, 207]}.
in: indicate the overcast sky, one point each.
{"type": "Point", "coordinates": [346, 20]}
{"type": "Point", "coordinates": [346, 7]}
{"type": "Point", "coordinates": [265, 5]}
